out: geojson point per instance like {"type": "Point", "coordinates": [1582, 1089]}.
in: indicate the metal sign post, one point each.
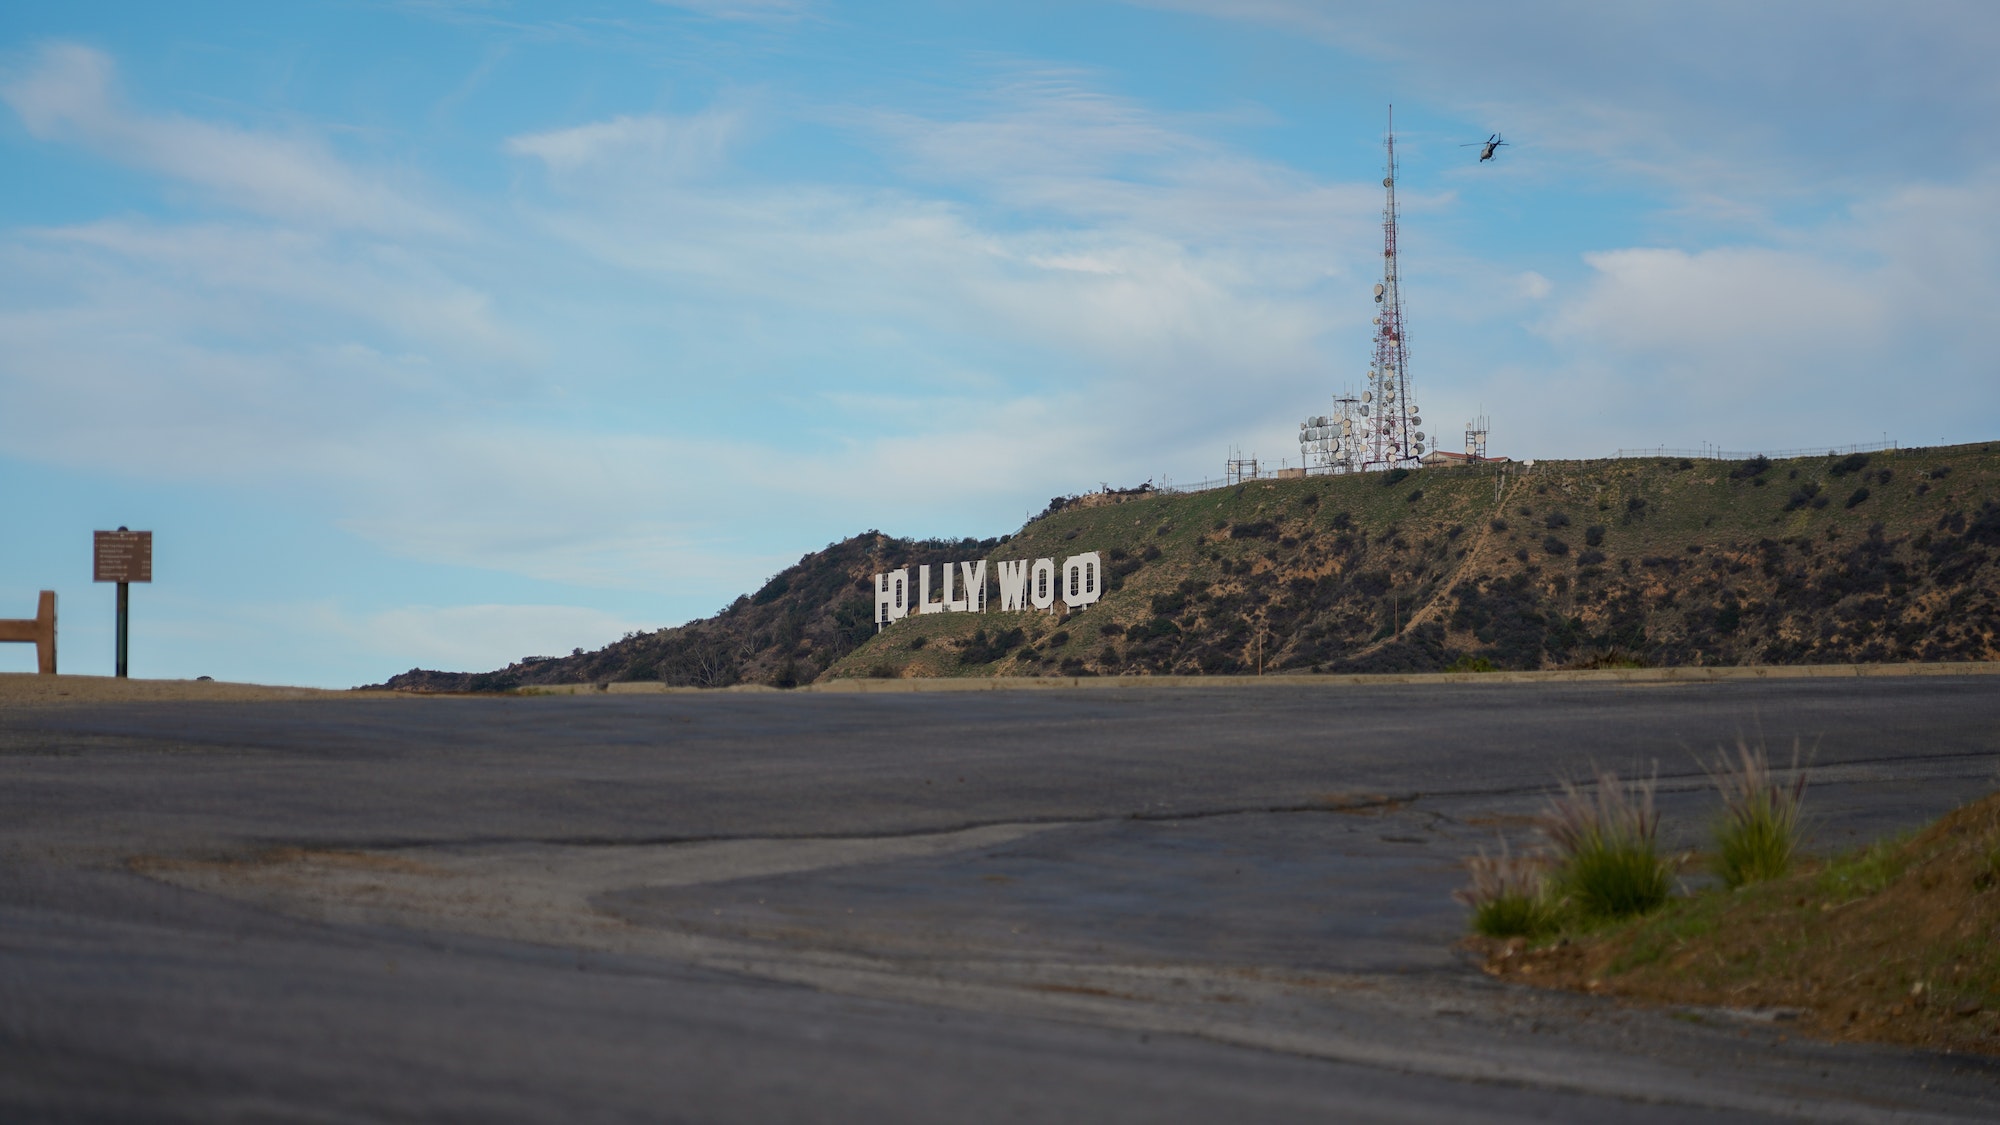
{"type": "Point", "coordinates": [123, 557]}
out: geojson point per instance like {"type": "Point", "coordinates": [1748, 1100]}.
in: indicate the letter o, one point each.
{"type": "Point", "coordinates": [1042, 584]}
{"type": "Point", "coordinates": [1083, 579]}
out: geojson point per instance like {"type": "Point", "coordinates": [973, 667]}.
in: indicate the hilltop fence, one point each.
{"type": "Point", "coordinates": [1710, 453]}
{"type": "Point", "coordinates": [1705, 453]}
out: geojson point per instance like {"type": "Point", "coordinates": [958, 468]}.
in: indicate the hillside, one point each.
{"type": "Point", "coordinates": [1880, 557]}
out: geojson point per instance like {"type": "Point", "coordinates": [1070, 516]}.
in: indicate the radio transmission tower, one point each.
{"type": "Point", "coordinates": [1393, 439]}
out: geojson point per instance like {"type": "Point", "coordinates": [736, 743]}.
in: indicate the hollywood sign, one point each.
{"type": "Point", "coordinates": [962, 587]}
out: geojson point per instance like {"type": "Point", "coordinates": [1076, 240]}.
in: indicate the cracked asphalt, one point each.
{"type": "Point", "coordinates": [1152, 904]}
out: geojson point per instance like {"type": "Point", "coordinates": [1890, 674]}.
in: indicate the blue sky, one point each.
{"type": "Point", "coordinates": [443, 333]}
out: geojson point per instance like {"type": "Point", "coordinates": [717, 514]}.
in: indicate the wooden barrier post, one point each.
{"type": "Point", "coordinates": [39, 630]}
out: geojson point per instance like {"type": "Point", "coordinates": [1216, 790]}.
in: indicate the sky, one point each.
{"type": "Point", "coordinates": [445, 332]}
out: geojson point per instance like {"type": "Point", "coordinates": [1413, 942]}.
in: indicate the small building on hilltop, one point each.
{"type": "Point", "coordinates": [1445, 458]}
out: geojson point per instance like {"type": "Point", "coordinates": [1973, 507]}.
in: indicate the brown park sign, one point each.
{"type": "Point", "coordinates": [124, 556]}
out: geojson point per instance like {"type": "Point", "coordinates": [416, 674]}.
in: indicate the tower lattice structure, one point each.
{"type": "Point", "coordinates": [1393, 439]}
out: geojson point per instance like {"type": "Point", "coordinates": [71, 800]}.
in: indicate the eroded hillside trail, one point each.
{"type": "Point", "coordinates": [1503, 490]}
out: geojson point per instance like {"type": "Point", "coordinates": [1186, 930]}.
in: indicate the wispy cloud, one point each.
{"type": "Point", "coordinates": [70, 94]}
{"type": "Point", "coordinates": [654, 144]}
{"type": "Point", "coordinates": [1708, 96]}
{"type": "Point", "coordinates": [461, 636]}
{"type": "Point", "coordinates": [760, 11]}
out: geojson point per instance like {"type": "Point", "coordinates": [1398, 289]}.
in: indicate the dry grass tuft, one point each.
{"type": "Point", "coordinates": [1609, 863]}
{"type": "Point", "coordinates": [1510, 896]}
{"type": "Point", "coordinates": [1757, 835]}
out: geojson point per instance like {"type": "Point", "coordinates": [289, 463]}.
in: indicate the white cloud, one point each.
{"type": "Point", "coordinates": [1076, 289]}
{"type": "Point", "coordinates": [761, 11]}
{"type": "Point", "coordinates": [659, 145]}
{"type": "Point", "coordinates": [1763, 303]}
{"type": "Point", "coordinates": [1713, 97]}
{"type": "Point", "coordinates": [70, 94]}
{"type": "Point", "coordinates": [1872, 321]}
{"type": "Point", "coordinates": [467, 636]}
{"type": "Point", "coordinates": [1155, 261]}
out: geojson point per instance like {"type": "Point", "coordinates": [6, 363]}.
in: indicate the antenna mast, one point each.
{"type": "Point", "coordinates": [1393, 438]}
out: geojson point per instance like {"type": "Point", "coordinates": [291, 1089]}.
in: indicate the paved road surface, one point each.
{"type": "Point", "coordinates": [1146, 905]}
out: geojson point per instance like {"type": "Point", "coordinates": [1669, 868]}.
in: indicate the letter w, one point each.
{"type": "Point", "coordinates": [1013, 584]}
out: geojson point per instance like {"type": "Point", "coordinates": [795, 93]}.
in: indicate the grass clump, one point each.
{"type": "Point", "coordinates": [1510, 896]}
{"type": "Point", "coordinates": [1609, 864]}
{"type": "Point", "coordinates": [1606, 658]}
{"type": "Point", "coordinates": [1757, 834]}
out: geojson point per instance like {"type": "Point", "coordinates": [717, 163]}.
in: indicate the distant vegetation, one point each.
{"type": "Point", "coordinates": [1650, 562]}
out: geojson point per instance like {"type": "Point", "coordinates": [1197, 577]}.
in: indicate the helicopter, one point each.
{"type": "Point", "coordinates": [1487, 148]}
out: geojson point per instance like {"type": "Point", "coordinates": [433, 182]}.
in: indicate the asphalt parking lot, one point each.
{"type": "Point", "coordinates": [1154, 904]}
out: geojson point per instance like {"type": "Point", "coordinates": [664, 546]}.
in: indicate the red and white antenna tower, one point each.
{"type": "Point", "coordinates": [1393, 437]}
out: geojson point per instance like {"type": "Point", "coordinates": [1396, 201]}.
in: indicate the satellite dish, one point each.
{"type": "Point", "coordinates": [1414, 420]}
{"type": "Point", "coordinates": [1364, 412]}
{"type": "Point", "coordinates": [1367, 396]}
{"type": "Point", "coordinates": [1420, 448]}
{"type": "Point", "coordinates": [1420, 435]}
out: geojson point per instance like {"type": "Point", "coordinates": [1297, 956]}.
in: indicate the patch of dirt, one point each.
{"type": "Point", "coordinates": [274, 857]}
{"type": "Point", "coordinates": [1504, 820]}
{"type": "Point", "coordinates": [26, 689]}
{"type": "Point", "coordinates": [1361, 804]}
{"type": "Point", "coordinates": [1899, 943]}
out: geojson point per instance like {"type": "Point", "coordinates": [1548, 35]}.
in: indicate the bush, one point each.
{"type": "Point", "coordinates": [1509, 896]}
{"type": "Point", "coordinates": [1498, 525]}
{"type": "Point", "coordinates": [1593, 536]}
{"type": "Point", "coordinates": [1395, 477]}
{"type": "Point", "coordinates": [1555, 546]}
{"type": "Point", "coordinates": [1758, 831]}
{"type": "Point", "coordinates": [1755, 467]}
{"type": "Point", "coordinates": [1557, 519]}
{"type": "Point", "coordinates": [1613, 657]}
{"type": "Point", "coordinates": [1860, 494]}
{"type": "Point", "coordinates": [980, 649]}
{"type": "Point", "coordinates": [787, 674]}
{"type": "Point", "coordinates": [1414, 496]}
{"type": "Point", "coordinates": [1470, 663]}
{"type": "Point", "coordinates": [1852, 463]}
{"type": "Point", "coordinates": [1609, 863]}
